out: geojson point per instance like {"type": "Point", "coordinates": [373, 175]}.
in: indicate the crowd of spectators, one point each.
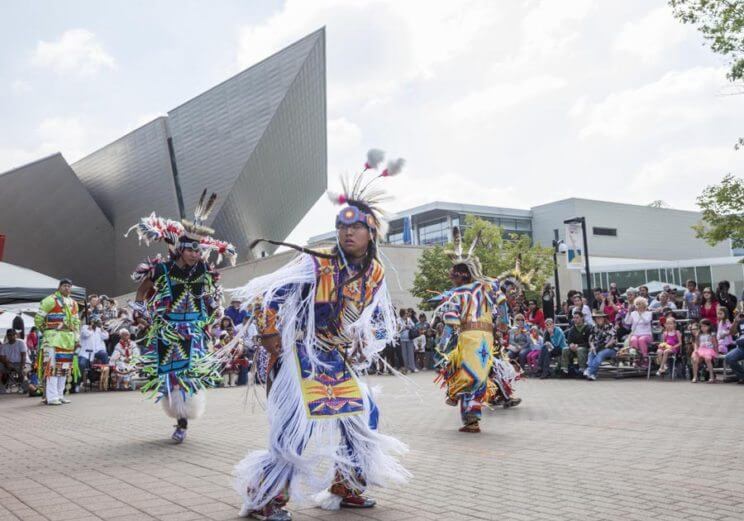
{"type": "Point", "coordinates": [700, 332]}
{"type": "Point", "coordinates": [112, 338]}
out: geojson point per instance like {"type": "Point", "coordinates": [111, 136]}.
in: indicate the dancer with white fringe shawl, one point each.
{"type": "Point", "coordinates": [322, 318]}
{"type": "Point", "coordinates": [471, 371]}
{"type": "Point", "coordinates": [180, 296]}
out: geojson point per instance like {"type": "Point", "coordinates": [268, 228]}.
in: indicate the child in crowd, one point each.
{"type": "Point", "coordinates": [704, 349]}
{"type": "Point", "coordinates": [536, 345]}
{"type": "Point", "coordinates": [723, 332]}
{"type": "Point", "coordinates": [671, 340]}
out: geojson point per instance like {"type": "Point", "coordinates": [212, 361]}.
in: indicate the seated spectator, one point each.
{"type": "Point", "coordinates": [225, 325]}
{"type": "Point", "coordinates": [234, 312]}
{"type": "Point", "coordinates": [535, 316]}
{"type": "Point", "coordinates": [643, 292]}
{"type": "Point", "coordinates": [736, 354]}
{"type": "Point", "coordinates": [639, 322]}
{"type": "Point", "coordinates": [662, 302]}
{"type": "Point", "coordinates": [13, 359]}
{"type": "Point", "coordinates": [101, 364]}
{"type": "Point", "coordinates": [709, 307]}
{"type": "Point", "coordinates": [704, 349]}
{"type": "Point", "coordinates": [610, 307]}
{"type": "Point", "coordinates": [553, 345]}
{"type": "Point", "coordinates": [92, 339]}
{"type": "Point", "coordinates": [578, 343]}
{"type": "Point", "coordinates": [723, 332]}
{"type": "Point", "coordinates": [671, 341]}
{"type": "Point", "coordinates": [123, 360]}
{"type": "Point", "coordinates": [519, 341]}
{"type": "Point", "coordinates": [725, 298]}
{"type": "Point", "coordinates": [536, 345]}
{"type": "Point", "coordinates": [602, 345]}
{"type": "Point", "coordinates": [580, 305]}
{"type": "Point", "coordinates": [598, 299]}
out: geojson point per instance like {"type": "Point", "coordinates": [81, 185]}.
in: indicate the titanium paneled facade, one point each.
{"type": "Point", "coordinates": [216, 134]}
{"type": "Point", "coordinates": [286, 173]}
{"type": "Point", "coordinates": [128, 179]}
{"type": "Point", "coordinates": [53, 225]}
{"type": "Point", "coordinates": [257, 139]}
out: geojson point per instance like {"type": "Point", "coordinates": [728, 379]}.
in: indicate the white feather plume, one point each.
{"type": "Point", "coordinates": [375, 156]}
{"type": "Point", "coordinates": [394, 167]}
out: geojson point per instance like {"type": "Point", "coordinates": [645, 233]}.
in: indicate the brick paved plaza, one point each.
{"type": "Point", "coordinates": [611, 450]}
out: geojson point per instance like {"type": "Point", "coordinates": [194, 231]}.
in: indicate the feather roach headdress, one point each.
{"type": "Point", "coordinates": [360, 200]}
{"type": "Point", "coordinates": [469, 260]}
{"type": "Point", "coordinates": [187, 234]}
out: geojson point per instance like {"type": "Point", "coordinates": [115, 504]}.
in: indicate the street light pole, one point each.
{"type": "Point", "coordinates": [556, 245]}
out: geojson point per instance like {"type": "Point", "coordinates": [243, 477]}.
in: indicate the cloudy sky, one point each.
{"type": "Point", "coordinates": [500, 103]}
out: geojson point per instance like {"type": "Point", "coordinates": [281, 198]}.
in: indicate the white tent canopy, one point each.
{"type": "Point", "coordinates": [6, 322]}
{"type": "Point", "coordinates": [655, 287]}
{"type": "Point", "coordinates": [19, 284]}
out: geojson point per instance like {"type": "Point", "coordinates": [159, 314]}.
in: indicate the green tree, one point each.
{"type": "Point", "coordinates": [498, 255]}
{"type": "Point", "coordinates": [722, 24]}
{"type": "Point", "coordinates": [723, 212]}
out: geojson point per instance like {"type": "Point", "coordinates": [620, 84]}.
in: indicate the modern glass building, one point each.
{"type": "Point", "coordinates": [432, 223]}
{"type": "Point", "coordinates": [246, 139]}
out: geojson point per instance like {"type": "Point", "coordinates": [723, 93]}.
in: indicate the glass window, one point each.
{"type": "Point", "coordinates": [686, 274]}
{"type": "Point", "coordinates": [435, 232]}
{"type": "Point", "coordinates": [704, 277]}
{"type": "Point", "coordinates": [395, 238]}
{"type": "Point", "coordinates": [653, 275]}
{"type": "Point", "coordinates": [626, 279]}
{"type": "Point", "coordinates": [509, 224]}
{"type": "Point", "coordinates": [524, 225]}
{"type": "Point", "coordinates": [609, 232]}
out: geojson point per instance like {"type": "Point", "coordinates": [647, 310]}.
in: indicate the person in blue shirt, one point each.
{"type": "Point", "coordinates": [236, 314]}
{"type": "Point", "coordinates": [555, 343]}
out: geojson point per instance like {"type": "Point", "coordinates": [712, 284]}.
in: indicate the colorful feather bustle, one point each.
{"type": "Point", "coordinates": [153, 228]}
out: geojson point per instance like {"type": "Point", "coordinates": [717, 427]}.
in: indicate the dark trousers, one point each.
{"type": "Point", "coordinates": [546, 354]}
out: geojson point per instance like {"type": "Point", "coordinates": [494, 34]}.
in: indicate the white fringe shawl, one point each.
{"type": "Point", "coordinates": [305, 453]}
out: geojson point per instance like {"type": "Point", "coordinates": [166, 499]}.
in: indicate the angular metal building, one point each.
{"type": "Point", "coordinates": [258, 140]}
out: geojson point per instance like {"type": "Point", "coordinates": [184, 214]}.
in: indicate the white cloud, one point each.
{"type": "Point", "coordinates": [680, 175]}
{"type": "Point", "coordinates": [503, 96]}
{"type": "Point", "coordinates": [20, 87]}
{"type": "Point", "coordinates": [378, 45]}
{"type": "Point", "coordinates": [57, 134]}
{"type": "Point", "coordinates": [77, 51]}
{"type": "Point", "coordinates": [673, 102]}
{"type": "Point", "coordinates": [652, 35]}
{"type": "Point", "coordinates": [551, 26]}
{"type": "Point", "coordinates": [343, 134]}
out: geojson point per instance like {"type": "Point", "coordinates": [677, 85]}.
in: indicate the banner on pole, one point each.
{"type": "Point", "coordinates": [574, 244]}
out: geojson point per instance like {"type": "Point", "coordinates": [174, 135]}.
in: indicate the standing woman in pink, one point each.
{"type": "Point", "coordinates": [639, 321]}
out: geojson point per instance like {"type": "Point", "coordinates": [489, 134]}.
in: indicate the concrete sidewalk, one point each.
{"type": "Point", "coordinates": [605, 450]}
